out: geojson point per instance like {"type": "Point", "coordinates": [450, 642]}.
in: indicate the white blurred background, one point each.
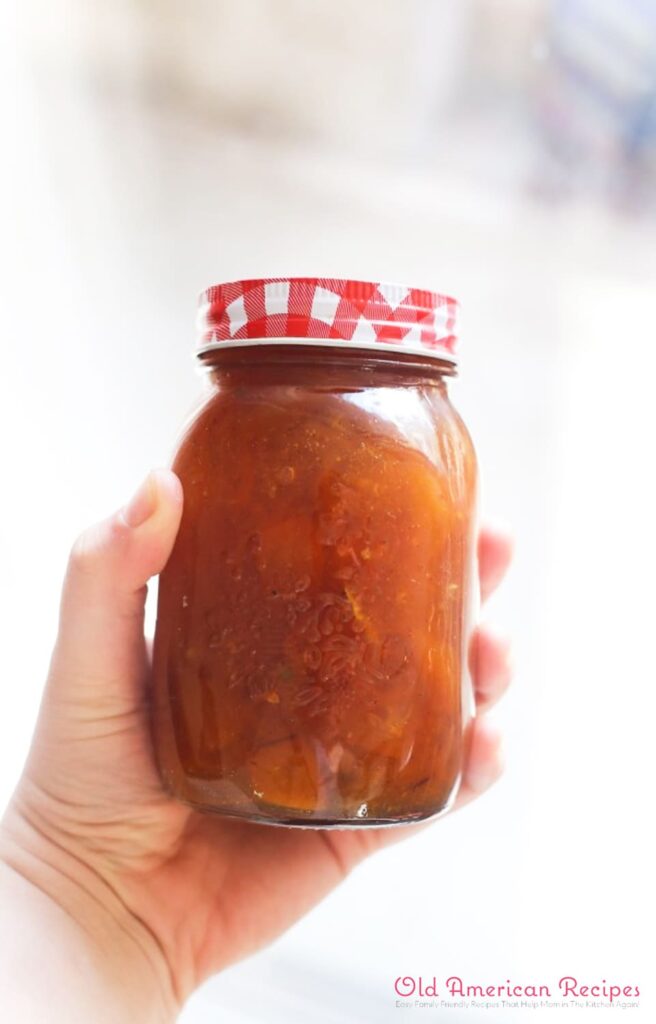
{"type": "Point", "coordinates": [500, 150]}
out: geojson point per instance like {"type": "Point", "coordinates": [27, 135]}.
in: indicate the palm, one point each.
{"type": "Point", "coordinates": [216, 886]}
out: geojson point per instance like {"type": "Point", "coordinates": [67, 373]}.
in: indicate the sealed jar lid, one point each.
{"type": "Point", "coordinates": [329, 312]}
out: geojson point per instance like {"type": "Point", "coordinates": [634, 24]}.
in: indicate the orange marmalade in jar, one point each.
{"type": "Point", "coordinates": [314, 619]}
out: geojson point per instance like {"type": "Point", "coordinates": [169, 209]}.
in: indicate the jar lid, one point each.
{"type": "Point", "coordinates": [328, 312]}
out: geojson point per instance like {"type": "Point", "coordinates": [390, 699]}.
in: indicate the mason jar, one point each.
{"type": "Point", "coordinates": [315, 616]}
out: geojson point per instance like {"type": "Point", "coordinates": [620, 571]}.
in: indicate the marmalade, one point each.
{"type": "Point", "coordinates": [315, 615]}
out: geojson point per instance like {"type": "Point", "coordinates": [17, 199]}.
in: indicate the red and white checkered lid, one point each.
{"type": "Point", "coordinates": [328, 312]}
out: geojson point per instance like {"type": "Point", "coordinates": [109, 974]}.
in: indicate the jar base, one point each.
{"type": "Point", "coordinates": [317, 823]}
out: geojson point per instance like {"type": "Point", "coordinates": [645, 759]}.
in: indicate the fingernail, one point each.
{"type": "Point", "coordinates": [141, 505]}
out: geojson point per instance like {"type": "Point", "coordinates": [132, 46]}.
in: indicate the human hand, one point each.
{"type": "Point", "coordinates": [149, 895]}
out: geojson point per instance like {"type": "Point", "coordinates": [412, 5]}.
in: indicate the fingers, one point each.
{"type": "Point", "coordinates": [101, 642]}
{"type": "Point", "coordinates": [484, 764]}
{"type": "Point", "coordinates": [490, 664]}
{"type": "Point", "coordinates": [495, 549]}
{"type": "Point", "coordinates": [489, 657]}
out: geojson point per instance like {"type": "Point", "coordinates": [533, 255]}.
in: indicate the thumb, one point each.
{"type": "Point", "coordinates": [99, 661]}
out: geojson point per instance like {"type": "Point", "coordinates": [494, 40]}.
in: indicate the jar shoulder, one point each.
{"type": "Point", "coordinates": [385, 419]}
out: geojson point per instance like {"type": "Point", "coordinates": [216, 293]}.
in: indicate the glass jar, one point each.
{"type": "Point", "coordinates": [314, 619]}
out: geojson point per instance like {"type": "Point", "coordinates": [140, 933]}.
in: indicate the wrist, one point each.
{"type": "Point", "coordinates": [72, 945]}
